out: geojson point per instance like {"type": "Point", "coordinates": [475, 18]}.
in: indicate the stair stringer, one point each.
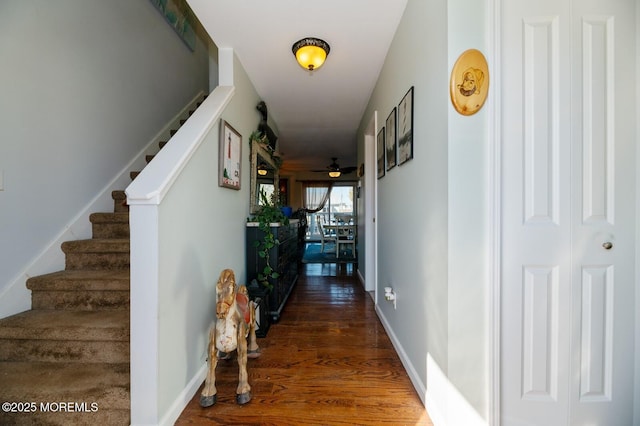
{"type": "Point", "coordinates": [16, 298]}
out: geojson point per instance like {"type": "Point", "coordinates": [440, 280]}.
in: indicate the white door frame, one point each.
{"type": "Point", "coordinates": [370, 207]}
{"type": "Point", "coordinates": [495, 208]}
{"type": "Point", "coordinates": [636, 405]}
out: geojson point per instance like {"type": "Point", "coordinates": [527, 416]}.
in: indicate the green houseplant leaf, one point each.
{"type": "Point", "coordinates": [270, 212]}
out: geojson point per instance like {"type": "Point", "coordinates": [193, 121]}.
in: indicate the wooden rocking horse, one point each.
{"type": "Point", "coordinates": [234, 324]}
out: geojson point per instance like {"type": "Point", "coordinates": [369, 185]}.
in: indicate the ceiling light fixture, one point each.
{"type": "Point", "coordinates": [262, 169]}
{"type": "Point", "coordinates": [334, 168]}
{"type": "Point", "coordinates": [310, 52]}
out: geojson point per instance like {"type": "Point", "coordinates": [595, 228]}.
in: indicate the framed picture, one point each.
{"type": "Point", "coordinates": [390, 140]}
{"type": "Point", "coordinates": [405, 128]}
{"type": "Point", "coordinates": [230, 156]}
{"type": "Point", "coordinates": [380, 152]}
{"type": "Point", "coordinates": [179, 16]}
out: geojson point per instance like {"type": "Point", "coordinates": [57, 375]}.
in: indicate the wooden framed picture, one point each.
{"type": "Point", "coordinates": [405, 128]}
{"type": "Point", "coordinates": [230, 156]}
{"type": "Point", "coordinates": [380, 152]}
{"type": "Point", "coordinates": [391, 140]}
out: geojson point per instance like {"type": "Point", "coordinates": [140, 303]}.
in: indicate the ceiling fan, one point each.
{"type": "Point", "coordinates": [335, 170]}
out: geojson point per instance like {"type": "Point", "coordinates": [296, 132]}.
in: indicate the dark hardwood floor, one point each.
{"type": "Point", "coordinates": [328, 361]}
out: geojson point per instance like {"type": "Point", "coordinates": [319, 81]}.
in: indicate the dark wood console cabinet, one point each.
{"type": "Point", "coordinates": [283, 258]}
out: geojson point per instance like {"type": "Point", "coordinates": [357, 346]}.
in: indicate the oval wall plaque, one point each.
{"type": "Point", "coordinates": [469, 84]}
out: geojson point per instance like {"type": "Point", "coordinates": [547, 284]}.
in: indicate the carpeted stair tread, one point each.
{"type": "Point", "coordinates": [97, 253]}
{"type": "Point", "coordinates": [115, 217]}
{"type": "Point", "coordinates": [110, 225]}
{"type": "Point", "coordinates": [104, 417]}
{"type": "Point", "coordinates": [119, 195]}
{"type": "Point", "coordinates": [81, 280]}
{"type": "Point", "coordinates": [102, 245]}
{"type": "Point", "coordinates": [77, 351]}
{"type": "Point", "coordinates": [119, 201]}
{"type": "Point", "coordinates": [85, 290]}
{"type": "Point", "coordinates": [67, 325]}
{"type": "Point", "coordinates": [107, 385]}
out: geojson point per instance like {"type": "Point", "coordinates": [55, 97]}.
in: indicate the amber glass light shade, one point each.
{"type": "Point", "coordinates": [310, 52]}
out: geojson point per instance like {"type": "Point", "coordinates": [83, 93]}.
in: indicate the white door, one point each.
{"type": "Point", "coordinates": [568, 113]}
{"type": "Point", "coordinates": [371, 208]}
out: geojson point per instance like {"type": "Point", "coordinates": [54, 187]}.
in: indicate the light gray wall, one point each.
{"type": "Point", "coordinates": [198, 243]}
{"type": "Point", "coordinates": [469, 240]}
{"type": "Point", "coordinates": [433, 213]}
{"type": "Point", "coordinates": [412, 198]}
{"type": "Point", "coordinates": [85, 86]}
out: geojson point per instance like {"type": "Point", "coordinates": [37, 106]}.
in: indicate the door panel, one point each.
{"type": "Point", "coordinates": [603, 211]}
{"type": "Point", "coordinates": [536, 213]}
{"type": "Point", "coordinates": [596, 334]}
{"type": "Point", "coordinates": [539, 334]}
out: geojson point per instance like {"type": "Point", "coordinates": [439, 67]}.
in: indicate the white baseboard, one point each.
{"type": "Point", "coordinates": [443, 402]}
{"type": "Point", "coordinates": [417, 382]}
{"type": "Point", "coordinates": [16, 297]}
{"type": "Point", "coordinates": [184, 397]}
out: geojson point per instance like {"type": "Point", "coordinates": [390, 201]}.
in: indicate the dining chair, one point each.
{"type": "Point", "coordinates": [326, 235]}
{"type": "Point", "coordinates": [345, 235]}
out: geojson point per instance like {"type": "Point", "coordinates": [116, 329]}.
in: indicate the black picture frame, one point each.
{"type": "Point", "coordinates": [391, 140]}
{"type": "Point", "coordinates": [405, 128]}
{"type": "Point", "coordinates": [380, 153]}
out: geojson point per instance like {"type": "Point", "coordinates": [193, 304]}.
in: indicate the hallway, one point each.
{"type": "Point", "coordinates": [328, 361]}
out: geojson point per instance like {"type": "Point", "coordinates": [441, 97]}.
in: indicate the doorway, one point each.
{"type": "Point", "coordinates": [339, 208]}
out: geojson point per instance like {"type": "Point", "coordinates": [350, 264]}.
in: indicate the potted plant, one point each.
{"type": "Point", "coordinates": [269, 212]}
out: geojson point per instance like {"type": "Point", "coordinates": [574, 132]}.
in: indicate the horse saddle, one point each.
{"type": "Point", "coordinates": [242, 302]}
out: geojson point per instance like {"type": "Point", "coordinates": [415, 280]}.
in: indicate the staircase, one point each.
{"type": "Point", "coordinates": [66, 361]}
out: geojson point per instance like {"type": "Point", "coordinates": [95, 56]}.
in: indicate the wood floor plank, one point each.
{"type": "Point", "coordinates": [328, 361]}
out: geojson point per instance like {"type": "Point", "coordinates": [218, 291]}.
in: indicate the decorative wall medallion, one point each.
{"type": "Point", "coordinates": [469, 82]}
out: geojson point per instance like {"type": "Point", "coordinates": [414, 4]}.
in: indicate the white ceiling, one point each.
{"type": "Point", "coordinates": [317, 114]}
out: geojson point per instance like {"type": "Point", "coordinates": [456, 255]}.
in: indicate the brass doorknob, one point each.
{"type": "Point", "coordinates": [607, 245]}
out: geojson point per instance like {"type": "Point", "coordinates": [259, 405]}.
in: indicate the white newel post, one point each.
{"type": "Point", "coordinates": [143, 219]}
